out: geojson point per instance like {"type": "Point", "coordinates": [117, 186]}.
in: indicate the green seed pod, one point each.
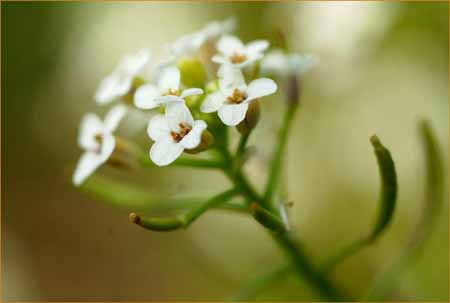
{"type": "Point", "coordinates": [251, 118]}
{"type": "Point", "coordinates": [192, 72]}
{"type": "Point", "coordinates": [267, 219]}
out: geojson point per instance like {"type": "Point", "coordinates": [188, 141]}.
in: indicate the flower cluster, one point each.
{"type": "Point", "coordinates": [208, 71]}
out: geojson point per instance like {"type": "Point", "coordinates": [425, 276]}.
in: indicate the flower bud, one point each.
{"type": "Point", "coordinates": [192, 72]}
{"type": "Point", "coordinates": [207, 140]}
{"type": "Point", "coordinates": [251, 118]}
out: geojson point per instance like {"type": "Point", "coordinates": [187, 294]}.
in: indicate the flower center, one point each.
{"type": "Point", "coordinates": [99, 139]}
{"type": "Point", "coordinates": [184, 130]}
{"type": "Point", "coordinates": [172, 92]}
{"type": "Point", "coordinates": [238, 58]}
{"type": "Point", "coordinates": [237, 97]}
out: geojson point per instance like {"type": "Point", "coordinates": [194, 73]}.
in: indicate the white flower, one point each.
{"type": "Point", "coordinates": [173, 133]}
{"type": "Point", "coordinates": [96, 138]}
{"type": "Point", "coordinates": [232, 99]}
{"type": "Point", "coordinates": [233, 51]}
{"type": "Point", "coordinates": [167, 89]}
{"type": "Point", "coordinates": [120, 81]}
{"type": "Point", "coordinates": [279, 63]}
{"type": "Point", "coordinates": [189, 45]}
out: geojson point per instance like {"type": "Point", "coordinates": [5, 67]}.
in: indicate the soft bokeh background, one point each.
{"type": "Point", "coordinates": [383, 65]}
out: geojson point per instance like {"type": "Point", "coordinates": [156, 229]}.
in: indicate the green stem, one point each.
{"type": "Point", "coordinates": [300, 261]}
{"type": "Point", "coordinates": [277, 161]}
{"type": "Point", "coordinates": [242, 143]}
{"type": "Point", "coordinates": [185, 162]}
{"type": "Point", "coordinates": [183, 220]}
{"type": "Point", "coordinates": [252, 288]}
{"type": "Point", "coordinates": [302, 264]}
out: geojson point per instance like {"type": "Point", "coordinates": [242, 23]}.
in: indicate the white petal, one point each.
{"type": "Point", "coordinates": [191, 92]}
{"type": "Point", "coordinates": [260, 87]}
{"type": "Point", "coordinates": [275, 62]}
{"type": "Point", "coordinates": [256, 47]}
{"type": "Point", "coordinates": [228, 45]}
{"type": "Point", "coordinates": [132, 64]}
{"type": "Point", "coordinates": [169, 79]}
{"type": "Point", "coordinates": [87, 164]}
{"type": "Point", "coordinates": [176, 113]}
{"type": "Point", "coordinates": [112, 87]}
{"type": "Point", "coordinates": [158, 128]}
{"type": "Point", "coordinates": [165, 151]}
{"type": "Point", "coordinates": [212, 102]}
{"type": "Point", "coordinates": [168, 99]}
{"type": "Point", "coordinates": [144, 97]}
{"type": "Point", "coordinates": [230, 78]}
{"type": "Point", "coordinates": [108, 145]}
{"type": "Point", "coordinates": [114, 116]}
{"type": "Point", "coordinates": [189, 44]}
{"type": "Point", "coordinates": [219, 59]}
{"type": "Point", "coordinates": [90, 126]}
{"type": "Point", "coordinates": [193, 139]}
{"type": "Point", "coordinates": [233, 114]}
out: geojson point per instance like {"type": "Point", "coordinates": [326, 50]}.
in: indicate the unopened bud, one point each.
{"type": "Point", "coordinates": [207, 140]}
{"type": "Point", "coordinates": [192, 72]}
{"type": "Point", "coordinates": [251, 118]}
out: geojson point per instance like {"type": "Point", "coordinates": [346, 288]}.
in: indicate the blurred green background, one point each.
{"type": "Point", "coordinates": [382, 67]}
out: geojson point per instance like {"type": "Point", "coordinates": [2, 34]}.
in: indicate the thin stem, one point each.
{"type": "Point", "coordinates": [185, 162]}
{"type": "Point", "coordinates": [242, 143]}
{"type": "Point", "coordinates": [303, 266]}
{"type": "Point", "coordinates": [237, 177]}
{"type": "Point", "coordinates": [277, 161]}
{"type": "Point", "coordinates": [255, 286]}
{"type": "Point", "coordinates": [300, 261]}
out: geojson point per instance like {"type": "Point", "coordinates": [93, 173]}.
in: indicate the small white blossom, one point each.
{"type": "Point", "coordinates": [174, 132]}
{"type": "Point", "coordinates": [279, 63]}
{"type": "Point", "coordinates": [120, 81]}
{"type": "Point", "coordinates": [232, 99]}
{"type": "Point", "coordinates": [190, 44]}
{"type": "Point", "coordinates": [233, 51]}
{"type": "Point", "coordinates": [167, 89]}
{"type": "Point", "coordinates": [97, 139]}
